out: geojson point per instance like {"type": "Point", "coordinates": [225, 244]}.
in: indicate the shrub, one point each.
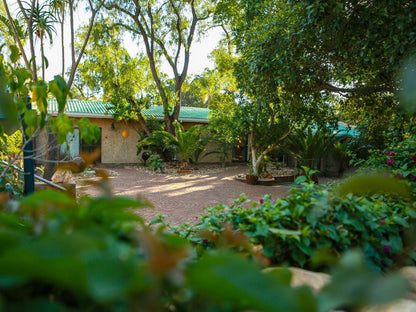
{"type": "Point", "coordinates": [57, 254]}
{"type": "Point", "coordinates": [398, 159]}
{"type": "Point", "coordinates": [292, 229]}
{"type": "Point", "coordinates": [155, 162]}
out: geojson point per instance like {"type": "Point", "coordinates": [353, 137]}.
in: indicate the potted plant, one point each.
{"type": "Point", "coordinates": [251, 178]}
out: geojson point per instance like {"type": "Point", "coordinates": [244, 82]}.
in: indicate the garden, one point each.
{"type": "Point", "coordinates": [303, 89]}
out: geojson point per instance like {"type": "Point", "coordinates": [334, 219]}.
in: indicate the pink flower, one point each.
{"type": "Point", "coordinates": [413, 177]}
{"type": "Point", "coordinates": [390, 161]}
{"type": "Point", "coordinates": [273, 201]}
{"type": "Point", "coordinates": [386, 248]}
{"type": "Point", "coordinates": [261, 200]}
{"type": "Point", "coordinates": [387, 152]}
{"type": "Point", "coordinates": [413, 158]}
{"type": "Point", "coordinates": [399, 176]}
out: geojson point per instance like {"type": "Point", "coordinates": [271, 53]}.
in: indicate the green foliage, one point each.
{"type": "Point", "coordinates": [98, 255]}
{"type": "Point", "coordinates": [291, 230]}
{"type": "Point", "coordinates": [184, 143]}
{"type": "Point", "coordinates": [110, 71]}
{"type": "Point", "coordinates": [155, 162]}
{"type": "Point", "coordinates": [304, 46]}
{"type": "Point", "coordinates": [398, 160]}
{"type": "Point", "coordinates": [11, 183]}
{"type": "Point", "coordinates": [310, 146]}
{"type": "Point", "coordinates": [12, 145]}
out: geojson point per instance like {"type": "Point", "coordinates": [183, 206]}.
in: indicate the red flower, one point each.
{"type": "Point", "coordinates": [413, 158]}
{"type": "Point", "coordinates": [383, 221]}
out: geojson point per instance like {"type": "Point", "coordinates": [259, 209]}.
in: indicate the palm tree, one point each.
{"type": "Point", "coordinates": [43, 21]}
{"type": "Point", "coordinates": [184, 143]}
{"type": "Point", "coordinates": [310, 146]}
{"type": "Point", "coordinates": [58, 8]}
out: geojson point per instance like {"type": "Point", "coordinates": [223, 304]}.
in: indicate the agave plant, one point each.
{"type": "Point", "coordinates": [184, 144]}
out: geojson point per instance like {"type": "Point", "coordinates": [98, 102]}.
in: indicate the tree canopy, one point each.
{"type": "Point", "coordinates": [167, 30]}
{"type": "Point", "coordinates": [346, 47]}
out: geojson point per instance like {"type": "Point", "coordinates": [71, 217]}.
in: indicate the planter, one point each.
{"type": "Point", "coordinates": [285, 179]}
{"type": "Point", "coordinates": [252, 179]}
{"type": "Point", "coordinates": [266, 181]}
{"type": "Point", "coordinates": [184, 171]}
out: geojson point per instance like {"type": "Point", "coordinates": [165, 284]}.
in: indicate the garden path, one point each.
{"type": "Point", "coordinates": [182, 198]}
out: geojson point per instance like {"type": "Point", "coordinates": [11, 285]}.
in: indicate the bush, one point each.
{"type": "Point", "coordinates": [57, 254]}
{"type": "Point", "coordinates": [155, 162]}
{"type": "Point", "coordinates": [291, 230]}
{"type": "Point", "coordinates": [398, 159]}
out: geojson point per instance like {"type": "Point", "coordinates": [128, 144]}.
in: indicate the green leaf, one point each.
{"type": "Point", "coordinates": [285, 232]}
{"type": "Point", "coordinates": [59, 89]}
{"type": "Point", "coordinates": [46, 61]}
{"type": "Point", "coordinates": [8, 112]}
{"type": "Point", "coordinates": [301, 179]}
{"type": "Point", "coordinates": [15, 53]}
{"type": "Point", "coordinates": [374, 184]}
{"type": "Point", "coordinates": [31, 121]}
{"type": "Point", "coordinates": [89, 132]}
{"type": "Point", "coordinates": [353, 284]}
{"type": "Point", "coordinates": [218, 276]}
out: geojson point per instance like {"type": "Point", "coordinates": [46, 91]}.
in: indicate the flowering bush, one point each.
{"type": "Point", "coordinates": [58, 254]}
{"type": "Point", "coordinates": [399, 159]}
{"type": "Point", "coordinates": [291, 230]}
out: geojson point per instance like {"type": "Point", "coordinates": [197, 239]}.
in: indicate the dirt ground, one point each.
{"type": "Point", "coordinates": [181, 198]}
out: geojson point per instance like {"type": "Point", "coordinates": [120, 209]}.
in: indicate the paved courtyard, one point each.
{"type": "Point", "coordinates": [182, 198]}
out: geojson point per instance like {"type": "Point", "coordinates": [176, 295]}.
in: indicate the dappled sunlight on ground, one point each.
{"type": "Point", "coordinates": [182, 198]}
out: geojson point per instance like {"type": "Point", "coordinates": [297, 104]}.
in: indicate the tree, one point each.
{"type": "Point", "coordinates": [15, 83]}
{"type": "Point", "coordinates": [58, 8]}
{"type": "Point", "coordinates": [42, 24]}
{"type": "Point", "coordinates": [109, 72]}
{"type": "Point", "coordinates": [39, 15]}
{"type": "Point", "coordinates": [167, 30]}
{"type": "Point", "coordinates": [349, 48]}
{"type": "Point", "coordinates": [268, 110]}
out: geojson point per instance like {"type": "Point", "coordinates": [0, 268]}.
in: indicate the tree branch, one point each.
{"type": "Point", "coordinates": [75, 65]}
{"type": "Point", "coordinates": [178, 29]}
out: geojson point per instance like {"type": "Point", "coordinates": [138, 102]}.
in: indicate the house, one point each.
{"type": "Point", "coordinates": [118, 139]}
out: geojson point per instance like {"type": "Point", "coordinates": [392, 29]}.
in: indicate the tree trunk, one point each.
{"type": "Point", "coordinates": [42, 55]}
{"type": "Point", "coordinates": [63, 45]}
{"type": "Point", "coordinates": [256, 161]}
{"type": "Point", "coordinates": [52, 155]}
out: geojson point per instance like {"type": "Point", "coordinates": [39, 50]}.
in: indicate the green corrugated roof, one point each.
{"type": "Point", "coordinates": [99, 109]}
{"type": "Point", "coordinates": [79, 107]}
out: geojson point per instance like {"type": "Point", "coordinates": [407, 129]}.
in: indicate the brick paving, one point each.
{"type": "Point", "coordinates": [182, 198]}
